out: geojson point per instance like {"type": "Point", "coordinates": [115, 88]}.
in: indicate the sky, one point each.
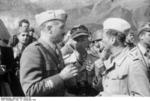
{"type": "Point", "coordinates": [91, 12]}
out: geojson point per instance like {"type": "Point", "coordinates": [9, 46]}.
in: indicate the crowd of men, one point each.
{"type": "Point", "coordinates": [113, 61]}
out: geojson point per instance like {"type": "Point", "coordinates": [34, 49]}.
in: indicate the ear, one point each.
{"type": "Point", "coordinates": [141, 36]}
{"type": "Point", "coordinates": [113, 40]}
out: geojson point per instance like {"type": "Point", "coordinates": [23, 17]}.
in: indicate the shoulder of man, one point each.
{"type": "Point", "coordinates": [134, 54]}
{"type": "Point", "coordinates": [32, 47]}
{"type": "Point", "coordinates": [34, 44]}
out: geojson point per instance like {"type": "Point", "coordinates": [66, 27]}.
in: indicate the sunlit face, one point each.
{"type": "Point", "coordinates": [98, 45]}
{"type": "Point", "coordinates": [24, 27]}
{"type": "Point", "coordinates": [146, 38]}
{"type": "Point", "coordinates": [56, 30]}
{"type": "Point", "coordinates": [23, 37]}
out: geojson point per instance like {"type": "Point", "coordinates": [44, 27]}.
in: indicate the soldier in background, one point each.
{"type": "Point", "coordinates": [18, 49]}
{"type": "Point", "coordinates": [94, 54]}
{"type": "Point", "coordinates": [31, 35]}
{"type": "Point", "coordinates": [142, 49]}
{"type": "Point", "coordinates": [23, 27]}
{"type": "Point", "coordinates": [130, 39]}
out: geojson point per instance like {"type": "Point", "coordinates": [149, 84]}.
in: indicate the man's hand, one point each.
{"type": "Point", "coordinates": [99, 67]}
{"type": "Point", "coordinates": [2, 69]}
{"type": "Point", "coordinates": [69, 72]}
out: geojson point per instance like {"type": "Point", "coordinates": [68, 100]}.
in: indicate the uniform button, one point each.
{"type": "Point", "coordinates": [106, 85]}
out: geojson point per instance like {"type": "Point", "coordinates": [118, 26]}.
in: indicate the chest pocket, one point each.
{"type": "Point", "coordinates": [50, 66]}
{"type": "Point", "coordinates": [119, 73]}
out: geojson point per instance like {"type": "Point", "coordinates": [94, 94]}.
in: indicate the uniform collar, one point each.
{"type": "Point", "coordinates": [117, 59]}
{"type": "Point", "coordinates": [48, 44]}
{"type": "Point", "coordinates": [142, 48]}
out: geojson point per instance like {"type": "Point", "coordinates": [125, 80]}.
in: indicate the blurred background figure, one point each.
{"type": "Point", "coordinates": [6, 61]}
{"type": "Point", "coordinates": [130, 39]}
{"type": "Point", "coordinates": [23, 38]}
{"type": "Point", "coordinates": [143, 46]}
{"type": "Point", "coordinates": [24, 25]}
{"type": "Point", "coordinates": [94, 53]}
{"type": "Point", "coordinates": [31, 35]}
{"type": "Point", "coordinates": [96, 46]}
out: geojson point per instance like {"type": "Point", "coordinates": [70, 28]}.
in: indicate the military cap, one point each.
{"type": "Point", "coordinates": [117, 24]}
{"type": "Point", "coordinates": [97, 35]}
{"type": "Point", "coordinates": [51, 15]}
{"type": "Point", "coordinates": [145, 27]}
{"type": "Point", "coordinates": [79, 30]}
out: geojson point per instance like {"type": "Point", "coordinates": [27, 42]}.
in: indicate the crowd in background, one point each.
{"type": "Point", "coordinates": [113, 61]}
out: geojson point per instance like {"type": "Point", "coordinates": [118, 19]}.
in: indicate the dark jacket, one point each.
{"type": "Point", "coordinates": [39, 67]}
{"type": "Point", "coordinates": [7, 59]}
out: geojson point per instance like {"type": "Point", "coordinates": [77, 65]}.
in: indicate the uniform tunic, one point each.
{"type": "Point", "coordinates": [125, 75]}
{"type": "Point", "coordinates": [39, 70]}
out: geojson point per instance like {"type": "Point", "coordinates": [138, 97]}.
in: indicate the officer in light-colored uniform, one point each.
{"type": "Point", "coordinates": [142, 49]}
{"type": "Point", "coordinates": [42, 70]}
{"type": "Point", "coordinates": [124, 74]}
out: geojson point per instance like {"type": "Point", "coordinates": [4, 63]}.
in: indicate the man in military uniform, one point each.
{"type": "Point", "coordinates": [42, 70]}
{"type": "Point", "coordinates": [78, 44]}
{"type": "Point", "coordinates": [124, 74]}
{"type": "Point", "coordinates": [142, 48]}
{"type": "Point", "coordinates": [94, 54]}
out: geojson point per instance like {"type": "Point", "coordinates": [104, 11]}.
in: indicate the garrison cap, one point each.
{"type": "Point", "coordinates": [50, 15]}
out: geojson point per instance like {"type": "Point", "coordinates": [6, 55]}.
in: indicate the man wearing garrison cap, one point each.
{"type": "Point", "coordinates": [123, 73]}
{"type": "Point", "coordinates": [42, 70]}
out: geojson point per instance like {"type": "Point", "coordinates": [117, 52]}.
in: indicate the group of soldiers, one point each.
{"type": "Point", "coordinates": [109, 62]}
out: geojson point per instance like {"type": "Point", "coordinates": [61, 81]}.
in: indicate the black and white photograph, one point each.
{"type": "Point", "coordinates": [74, 48]}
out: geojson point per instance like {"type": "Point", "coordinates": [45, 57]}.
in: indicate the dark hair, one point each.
{"type": "Point", "coordinates": [32, 29]}
{"type": "Point", "coordinates": [74, 29]}
{"type": "Point", "coordinates": [23, 21]}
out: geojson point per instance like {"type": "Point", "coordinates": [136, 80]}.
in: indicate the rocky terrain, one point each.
{"type": "Point", "coordinates": [89, 12]}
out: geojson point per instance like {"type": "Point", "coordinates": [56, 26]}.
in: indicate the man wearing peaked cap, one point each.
{"type": "Point", "coordinates": [75, 52]}
{"type": "Point", "coordinates": [42, 69]}
{"type": "Point", "coordinates": [123, 70]}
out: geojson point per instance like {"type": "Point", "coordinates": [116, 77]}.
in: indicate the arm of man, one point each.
{"type": "Point", "coordinates": [31, 75]}
{"type": "Point", "coordinates": [138, 79]}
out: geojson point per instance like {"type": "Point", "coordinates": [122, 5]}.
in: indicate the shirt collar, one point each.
{"type": "Point", "coordinates": [48, 44]}
{"type": "Point", "coordinates": [117, 59]}
{"type": "Point", "coordinates": [142, 48]}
